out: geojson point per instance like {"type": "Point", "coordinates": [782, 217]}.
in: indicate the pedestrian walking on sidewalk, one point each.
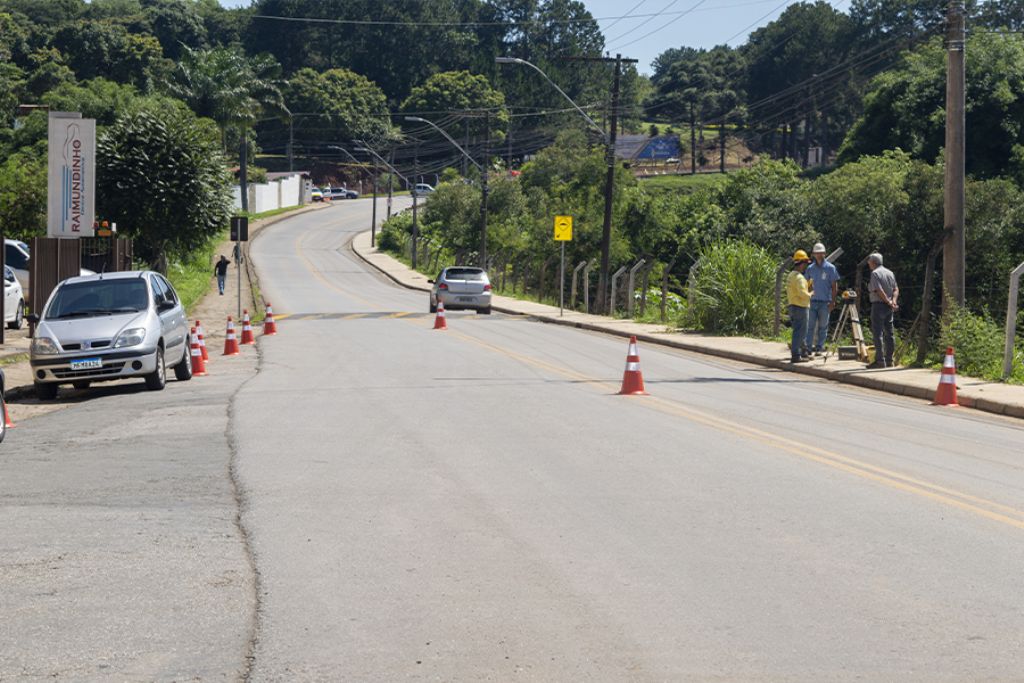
{"type": "Point", "coordinates": [824, 279]}
{"type": "Point", "coordinates": [221, 270]}
{"type": "Point", "coordinates": [884, 295]}
{"type": "Point", "coordinates": [799, 297]}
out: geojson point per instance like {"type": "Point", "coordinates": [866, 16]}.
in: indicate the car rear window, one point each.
{"type": "Point", "coordinates": [468, 274]}
{"type": "Point", "coordinates": [98, 297]}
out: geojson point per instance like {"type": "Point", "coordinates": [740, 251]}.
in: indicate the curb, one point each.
{"type": "Point", "coordinates": [875, 381]}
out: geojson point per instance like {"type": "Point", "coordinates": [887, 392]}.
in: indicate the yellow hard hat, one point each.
{"type": "Point", "coordinates": [800, 255]}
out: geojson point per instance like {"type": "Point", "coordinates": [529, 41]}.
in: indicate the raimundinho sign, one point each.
{"type": "Point", "coordinates": [72, 180]}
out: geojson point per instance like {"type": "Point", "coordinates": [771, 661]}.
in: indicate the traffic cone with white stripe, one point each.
{"type": "Point", "coordinates": [8, 422]}
{"type": "Point", "coordinates": [247, 336]}
{"type": "Point", "coordinates": [198, 365]}
{"type": "Point", "coordinates": [230, 341]}
{"type": "Point", "coordinates": [202, 342]}
{"type": "Point", "coordinates": [439, 321]}
{"type": "Point", "coordinates": [945, 395]}
{"type": "Point", "coordinates": [269, 326]}
{"type": "Point", "coordinates": [632, 378]}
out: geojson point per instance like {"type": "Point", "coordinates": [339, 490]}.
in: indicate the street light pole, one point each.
{"type": "Point", "coordinates": [376, 157]}
{"type": "Point", "coordinates": [609, 140]}
{"type": "Point", "coordinates": [485, 190]}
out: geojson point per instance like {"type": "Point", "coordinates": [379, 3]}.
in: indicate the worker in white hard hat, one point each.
{"type": "Point", "coordinates": [824, 279]}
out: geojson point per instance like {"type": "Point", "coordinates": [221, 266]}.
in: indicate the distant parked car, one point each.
{"type": "Point", "coordinates": [106, 327]}
{"type": "Point", "coordinates": [422, 190]}
{"type": "Point", "coordinates": [462, 287]}
{"type": "Point", "coordinates": [316, 194]}
{"type": "Point", "coordinates": [343, 193]}
{"type": "Point", "coordinates": [673, 160]}
{"type": "Point", "coordinates": [16, 255]}
{"type": "Point", "coordinates": [14, 300]}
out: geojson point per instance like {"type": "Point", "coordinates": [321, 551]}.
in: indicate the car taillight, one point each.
{"type": "Point", "coordinates": [442, 286]}
{"type": "Point", "coordinates": [487, 288]}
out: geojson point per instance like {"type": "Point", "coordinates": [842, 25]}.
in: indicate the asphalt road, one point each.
{"type": "Point", "coordinates": [479, 504]}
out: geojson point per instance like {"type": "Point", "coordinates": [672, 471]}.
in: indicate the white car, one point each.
{"type": "Point", "coordinates": [422, 190]}
{"type": "Point", "coordinates": [14, 300]}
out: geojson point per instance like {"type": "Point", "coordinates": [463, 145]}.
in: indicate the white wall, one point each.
{"type": "Point", "coordinates": [277, 194]}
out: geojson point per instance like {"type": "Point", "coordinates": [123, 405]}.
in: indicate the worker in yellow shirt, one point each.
{"type": "Point", "coordinates": [798, 292]}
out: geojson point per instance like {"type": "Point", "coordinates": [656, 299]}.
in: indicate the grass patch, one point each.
{"type": "Point", "coordinates": [268, 214]}
{"type": "Point", "coordinates": [681, 183]}
{"type": "Point", "coordinates": [11, 360]}
{"type": "Point", "coordinates": [191, 276]}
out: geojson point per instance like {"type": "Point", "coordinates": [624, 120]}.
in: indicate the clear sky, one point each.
{"type": "Point", "coordinates": [656, 25]}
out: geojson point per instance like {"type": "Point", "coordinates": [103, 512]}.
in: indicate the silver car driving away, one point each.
{"type": "Point", "coordinates": [111, 326]}
{"type": "Point", "coordinates": [462, 287]}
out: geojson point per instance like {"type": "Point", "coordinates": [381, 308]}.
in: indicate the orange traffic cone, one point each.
{"type": "Point", "coordinates": [198, 365]}
{"type": "Point", "coordinates": [632, 378]}
{"type": "Point", "coordinates": [202, 342]}
{"type": "Point", "coordinates": [247, 335]}
{"type": "Point", "coordinates": [945, 395]}
{"type": "Point", "coordinates": [231, 342]}
{"type": "Point", "coordinates": [269, 326]}
{"type": "Point", "coordinates": [439, 322]}
{"type": "Point", "coordinates": [8, 422]}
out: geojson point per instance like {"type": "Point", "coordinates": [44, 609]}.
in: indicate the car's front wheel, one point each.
{"type": "Point", "coordinates": [486, 311]}
{"type": "Point", "coordinates": [19, 317]}
{"type": "Point", "coordinates": [157, 380]}
{"type": "Point", "coordinates": [46, 391]}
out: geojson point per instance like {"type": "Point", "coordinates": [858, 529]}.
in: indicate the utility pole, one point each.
{"type": "Point", "coordinates": [721, 146]}
{"type": "Point", "coordinates": [291, 144]}
{"type": "Point", "coordinates": [391, 182]}
{"type": "Point", "coordinates": [415, 207]}
{"type": "Point", "coordinates": [693, 141]}
{"type": "Point", "coordinates": [373, 221]}
{"type": "Point", "coordinates": [485, 191]}
{"type": "Point", "coordinates": [609, 185]}
{"type": "Point", "coordinates": [954, 249]}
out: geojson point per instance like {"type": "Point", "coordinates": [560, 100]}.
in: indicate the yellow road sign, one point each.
{"type": "Point", "coordinates": [563, 228]}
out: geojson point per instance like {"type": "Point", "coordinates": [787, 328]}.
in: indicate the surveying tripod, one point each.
{"type": "Point", "coordinates": [850, 315]}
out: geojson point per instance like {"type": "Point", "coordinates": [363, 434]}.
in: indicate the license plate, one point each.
{"type": "Point", "coordinates": [466, 298]}
{"type": "Point", "coordinates": [87, 364]}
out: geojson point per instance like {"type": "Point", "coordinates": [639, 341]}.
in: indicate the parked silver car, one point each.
{"type": "Point", "coordinates": [110, 326]}
{"type": "Point", "coordinates": [462, 287]}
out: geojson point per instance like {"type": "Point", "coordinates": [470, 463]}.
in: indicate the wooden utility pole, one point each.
{"type": "Point", "coordinates": [484, 190]}
{"type": "Point", "coordinates": [609, 185]}
{"type": "Point", "coordinates": [415, 203]}
{"type": "Point", "coordinates": [721, 146]}
{"type": "Point", "coordinates": [954, 250]}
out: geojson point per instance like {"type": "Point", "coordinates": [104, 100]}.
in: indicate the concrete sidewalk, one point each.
{"type": "Point", "coordinates": [211, 308]}
{"type": "Point", "coordinates": [993, 397]}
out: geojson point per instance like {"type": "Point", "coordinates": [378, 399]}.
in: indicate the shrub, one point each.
{"type": "Point", "coordinates": [733, 289]}
{"type": "Point", "coordinates": [977, 341]}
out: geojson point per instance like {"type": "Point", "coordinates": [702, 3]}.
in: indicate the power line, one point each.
{"type": "Point", "coordinates": [661, 28]}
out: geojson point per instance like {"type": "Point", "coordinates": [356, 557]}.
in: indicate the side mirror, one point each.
{"type": "Point", "coordinates": [430, 282]}
{"type": "Point", "coordinates": [166, 305]}
{"type": "Point", "coordinates": [32, 318]}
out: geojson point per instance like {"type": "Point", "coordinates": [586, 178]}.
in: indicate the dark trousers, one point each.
{"type": "Point", "coordinates": [881, 330]}
{"type": "Point", "coordinates": [798, 319]}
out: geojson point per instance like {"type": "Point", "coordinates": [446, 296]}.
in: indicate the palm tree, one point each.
{"type": "Point", "coordinates": [228, 87]}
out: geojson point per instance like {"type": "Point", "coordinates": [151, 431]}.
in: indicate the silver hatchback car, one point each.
{"type": "Point", "coordinates": [111, 326]}
{"type": "Point", "coordinates": [462, 287]}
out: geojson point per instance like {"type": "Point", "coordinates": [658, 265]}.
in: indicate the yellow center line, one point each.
{"type": "Point", "coordinates": [311, 267]}
{"type": "Point", "coordinates": [963, 501]}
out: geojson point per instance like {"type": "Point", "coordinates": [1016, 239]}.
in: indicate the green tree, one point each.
{"type": "Point", "coordinates": [160, 174]}
{"type": "Point", "coordinates": [176, 24]}
{"type": "Point", "coordinates": [461, 91]}
{"type": "Point", "coordinates": [905, 107]}
{"type": "Point", "coordinates": [224, 85]}
{"type": "Point", "coordinates": [337, 105]}
{"type": "Point", "coordinates": [107, 49]}
{"type": "Point", "coordinates": [23, 195]}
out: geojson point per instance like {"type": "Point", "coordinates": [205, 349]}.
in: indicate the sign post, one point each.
{"type": "Point", "coordinates": [239, 234]}
{"type": "Point", "coordinates": [71, 176]}
{"type": "Point", "coordinates": [563, 234]}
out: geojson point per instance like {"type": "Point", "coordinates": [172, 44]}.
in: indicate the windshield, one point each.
{"type": "Point", "coordinates": [98, 297]}
{"type": "Point", "coordinates": [470, 275]}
